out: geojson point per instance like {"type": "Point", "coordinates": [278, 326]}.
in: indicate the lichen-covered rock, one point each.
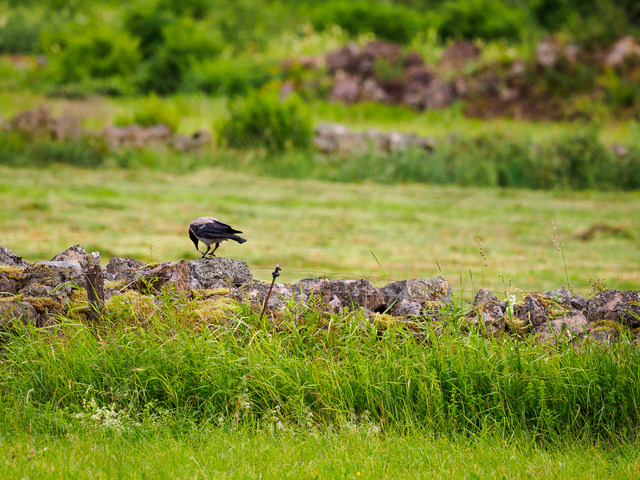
{"type": "Point", "coordinates": [487, 313]}
{"type": "Point", "coordinates": [566, 298]}
{"type": "Point", "coordinates": [120, 268]}
{"type": "Point", "coordinates": [573, 322]}
{"type": "Point", "coordinates": [408, 297]}
{"type": "Point", "coordinates": [72, 267]}
{"type": "Point", "coordinates": [8, 284]}
{"type": "Point", "coordinates": [219, 272]}
{"type": "Point", "coordinates": [256, 293]}
{"type": "Point", "coordinates": [7, 257]}
{"type": "Point", "coordinates": [169, 274]}
{"type": "Point", "coordinates": [77, 253]}
{"type": "Point", "coordinates": [55, 280]}
{"type": "Point", "coordinates": [13, 310]}
{"type": "Point", "coordinates": [532, 311]}
{"type": "Point", "coordinates": [619, 306]}
{"type": "Point", "coordinates": [337, 294]}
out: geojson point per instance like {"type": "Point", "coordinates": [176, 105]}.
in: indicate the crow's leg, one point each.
{"type": "Point", "coordinates": [214, 250]}
{"type": "Point", "coordinates": [205, 253]}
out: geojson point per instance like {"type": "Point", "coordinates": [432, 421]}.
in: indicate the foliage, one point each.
{"type": "Point", "coordinates": [229, 76]}
{"type": "Point", "coordinates": [151, 111]}
{"type": "Point", "coordinates": [15, 150]}
{"type": "Point", "coordinates": [99, 52]}
{"type": "Point", "coordinates": [20, 30]}
{"type": "Point", "coordinates": [486, 19]}
{"type": "Point", "coordinates": [300, 373]}
{"type": "Point", "coordinates": [266, 121]}
{"type": "Point", "coordinates": [388, 21]}
{"type": "Point", "coordinates": [184, 42]}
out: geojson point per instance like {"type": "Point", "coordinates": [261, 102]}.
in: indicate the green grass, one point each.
{"type": "Point", "coordinates": [313, 228]}
{"type": "Point", "coordinates": [355, 455]}
{"type": "Point", "coordinates": [310, 395]}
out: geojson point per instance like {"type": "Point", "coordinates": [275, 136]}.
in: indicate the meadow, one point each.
{"type": "Point", "coordinates": [342, 230]}
{"type": "Point", "coordinates": [163, 389]}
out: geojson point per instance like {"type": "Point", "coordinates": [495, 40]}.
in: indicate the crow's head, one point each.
{"type": "Point", "coordinates": [194, 239]}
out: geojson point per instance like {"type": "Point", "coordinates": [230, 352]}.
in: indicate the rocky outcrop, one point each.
{"type": "Point", "coordinates": [218, 272]}
{"type": "Point", "coordinates": [333, 138]}
{"type": "Point", "coordinates": [8, 258]}
{"type": "Point", "coordinates": [335, 295]}
{"type": "Point", "coordinates": [616, 306]}
{"type": "Point", "coordinates": [416, 297]}
{"type": "Point", "coordinates": [40, 124]}
{"type": "Point", "coordinates": [36, 293]}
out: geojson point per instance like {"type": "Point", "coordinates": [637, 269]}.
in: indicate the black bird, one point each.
{"type": "Point", "coordinates": [209, 230]}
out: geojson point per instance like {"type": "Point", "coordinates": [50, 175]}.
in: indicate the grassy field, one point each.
{"type": "Point", "coordinates": [309, 395]}
{"type": "Point", "coordinates": [354, 455]}
{"type": "Point", "coordinates": [315, 228]}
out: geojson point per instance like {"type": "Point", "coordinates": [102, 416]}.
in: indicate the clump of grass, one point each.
{"type": "Point", "coordinates": [310, 369]}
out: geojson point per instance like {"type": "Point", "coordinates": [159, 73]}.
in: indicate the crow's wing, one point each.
{"type": "Point", "coordinates": [213, 230]}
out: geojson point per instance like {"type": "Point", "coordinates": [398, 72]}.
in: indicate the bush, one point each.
{"type": "Point", "coordinates": [152, 111]}
{"type": "Point", "coordinates": [387, 21]}
{"type": "Point", "coordinates": [264, 120]}
{"type": "Point", "coordinates": [99, 51]}
{"type": "Point", "coordinates": [184, 43]}
{"type": "Point", "coordinates": [229, 76]}
{"type": "Point", "coordinates": [485, 19]}
{"type": "Point", "coordinates": [584, 161]}
{"type": "Point", "coordinates": [20, 31]}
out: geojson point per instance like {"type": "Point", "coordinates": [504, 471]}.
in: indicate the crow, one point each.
{"type": "Point", "coordinates": [209, 230]}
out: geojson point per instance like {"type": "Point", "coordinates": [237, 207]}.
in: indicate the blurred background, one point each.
{"type": "Point", "coordinates": [377, 139]}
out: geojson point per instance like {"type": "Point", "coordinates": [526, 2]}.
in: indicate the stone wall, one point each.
{"type": "Point", "coordinates": [37, 293]}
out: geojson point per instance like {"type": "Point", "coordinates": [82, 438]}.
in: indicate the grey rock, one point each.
{"type": "Point", "coordinates": [438, 94]}
{"type": "Point", "coordinates": [408, 297]}
{"type": "Point", "coordinates": [485, 297]}
{"type": "Point", "coordinates": [573, 322]}
{"type": "Point", "coordinates": [76, 253]}
{"type": "Point", "coordinates": [12, 311]}
{"type": "Point", "coordinates": [345, 89]}
{"type": "Point", "coordinates": [337, 294]}
{"type": "Point", "coordinates": [120, 268]}
{"type": "Point", "coordinates": [566, 299]}
{"type": "Point", "coordinates": [487, 313]}
{"type": "Point", "coordinates": [532, 311]}
{"type": "Point", "coordinates": [73, 267]}
{"type": "Point", "coordinates": [562, 296]}
{"type": "Point", "coordinates": [618, 306]}
{"type": "Point", "coordinates": [218, 272]}
{"type": "Point", "coordinates": [8, 284]}
{"type": "Point", "coordinates": [174, 275]}
{"type": "Point", "coordinates": [578, 302]}
{"type": "Point", "coordinates": [7, 257]}
{"type": "Point", "coordinates": [256, 293]}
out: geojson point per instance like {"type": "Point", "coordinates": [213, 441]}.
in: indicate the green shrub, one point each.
{"type": "Point", "coordinates": [97, 51]}
{"type": "Point", "coordinates": [20, 31]}
{"type": "Point", "coordinates": [146, 23]}
{"type": "Point", "coordinates": [265, 121]}
{"type": "Point", "coordinates": [184, 42]}
{"type": "Point", "coordinates": [584, 162]}
{"type": "Point", "coordinates": [598, 21]}
{"type": "Point", "coordinates": [388, 21]}
{"type": "Point", "coordinates": [151, 111]}
{"type": "Point", "coordinates": [486, 19]}
{"type": "Point", "coordinates": [229, 76]}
